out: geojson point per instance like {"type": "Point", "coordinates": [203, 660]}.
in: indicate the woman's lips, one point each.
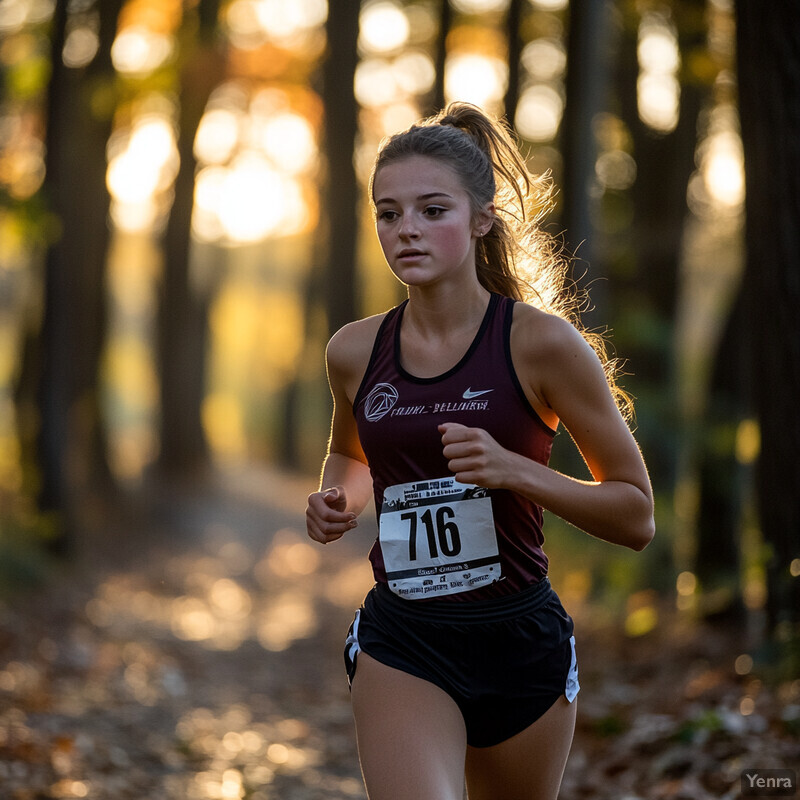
{"type": "Point", "coordinates": [410, 255]}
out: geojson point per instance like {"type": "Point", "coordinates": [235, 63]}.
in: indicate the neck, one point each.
{"type": "Point", "coordinates": [441, 311]}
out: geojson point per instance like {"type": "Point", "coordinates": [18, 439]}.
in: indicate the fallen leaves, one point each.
{"type": "Point", "coordinates": [210, 669]}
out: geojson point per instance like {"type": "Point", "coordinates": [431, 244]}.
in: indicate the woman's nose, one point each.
{"type": "Point", "coordinates": [408, 226]}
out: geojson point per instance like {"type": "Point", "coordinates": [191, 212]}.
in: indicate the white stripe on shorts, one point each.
{"type": "Point", "coordinates": [572, 687]}
{"type": "Point", "coordinates": [351, 642]}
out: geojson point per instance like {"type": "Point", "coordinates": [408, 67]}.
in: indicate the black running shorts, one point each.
{"type": "Point", "coordinates": [503, 661]}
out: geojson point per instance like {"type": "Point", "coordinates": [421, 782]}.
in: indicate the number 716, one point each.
{"type": "Point", "coordinates": [441, 530]}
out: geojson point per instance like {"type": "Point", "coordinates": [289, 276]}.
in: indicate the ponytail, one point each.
{"type": "Point", "coordinates": [516, 257]}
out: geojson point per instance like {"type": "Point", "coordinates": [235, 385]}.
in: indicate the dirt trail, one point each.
{"type": "Point", "coordinates": [196, 654]}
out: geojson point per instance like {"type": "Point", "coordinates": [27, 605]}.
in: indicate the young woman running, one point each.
{"type": "Point", "coordinates": [462, 660]}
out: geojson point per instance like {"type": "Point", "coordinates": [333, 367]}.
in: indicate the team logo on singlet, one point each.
{"type": "Point", "coordinates": [380, 401]}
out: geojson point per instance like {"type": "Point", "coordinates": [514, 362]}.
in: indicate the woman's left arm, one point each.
{"type": "Point", "coordinates": [562, 370]}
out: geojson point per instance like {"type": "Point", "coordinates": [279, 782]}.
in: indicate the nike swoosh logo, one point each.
{"type": "Point", "coordinates": [469, 394]}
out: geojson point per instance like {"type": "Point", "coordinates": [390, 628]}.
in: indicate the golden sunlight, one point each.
{"type": "Point", "coordinates": [218, 135]}
{"type": "Point", "coordinates": [144, 166]}
{"type": "Point", "coordinates": [723, 168]}
{"type": "Point", "coordinates": [658, 87]}
{"type": "Point", "coordinates": [137, 50]}
{"type": "Point", "coordinates": [642, 614]}
{"type": "Point", "coordinates": [288, 140]}
{"type": "Point", "coordinates": [374, 83]}
{"type": "Point", "coordinates": [383, 27]}
{"type": "Point", "coordinates": [539, 113]}
{"type": "Point", "coordinates": [615, 169]}
{"type": "Point", "coordinates": [748, 441]}
{"type": "Point", "coordinates": [289, 617]}
{"type": "Point", "coordinates": [247, 201]}
{"type": "Point", "coordinates": [544, 59]}
{"type": "Point", "coordinates": [284, 19]}
{"type": "Point", "coordinates": [288, 558]}
{"type": "Point", "coordinates": [251, 22]}
{"type": "Point", "coordinates": [475, 78]}
{"type": "Point", "coordinates": [415, 72]}
{"type": "Point", "coordinates": [658, 101]}
{"type": "Point", "coordinates": [223, 422]}
{"type": "Point", "coordinates": [14, 14]}
{"type": "Point", "coordinates": [397, 117]}
{"type": "Point", "coordinates": [550, 5]}
{"type": "Point", "coordinates": [479, 6]}
{"type": "Point", "coordinates": [80, 47]}
{"type": "Point", "coordinates": [22, 167]}
{"type": "Point", "coordinates": [257, 156]}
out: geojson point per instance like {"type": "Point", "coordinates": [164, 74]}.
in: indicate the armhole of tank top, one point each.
{"type": "Point", "coordinates": [508, 319]}
{"type": "Point", "coordinates": [390, 315]}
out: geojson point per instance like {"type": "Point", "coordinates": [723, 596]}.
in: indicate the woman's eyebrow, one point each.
{"type": "Point", "coordinates": [426, 196]}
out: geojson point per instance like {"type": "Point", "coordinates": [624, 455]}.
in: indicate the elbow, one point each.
{"type": "Point", "coordinates": [641, 526]}
{"type": "Point", "coordinates": [643, 534]}
{"type": "Point", "coordinates": [642, 539]}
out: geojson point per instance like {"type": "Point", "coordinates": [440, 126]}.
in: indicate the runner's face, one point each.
{"type": "Point", "coordinates": [424, 221]}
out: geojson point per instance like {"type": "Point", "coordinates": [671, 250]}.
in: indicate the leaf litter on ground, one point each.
{"type": "Point", "coordinates": [193, 652]}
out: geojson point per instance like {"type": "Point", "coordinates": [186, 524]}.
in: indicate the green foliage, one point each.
{"type": "Point", "coordinates": [707, 721]}
{"type": "Point", "coordinates": [640, 327]}
{"type": "Point", "coordinates": [28, 224]}
{"type": "Point", "coordinates": [615, 572]}
{"type": "Point", "coordinates": [24, 558]}
{"type": "Point", "coordinates": [777, 660]}
{"type": "Point", "coordinates": [27, 79]}
{"type": "Point", "coordinates": [609, 726]}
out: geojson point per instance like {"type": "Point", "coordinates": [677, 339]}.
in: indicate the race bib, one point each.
{"type": "Point", "coordinates": [438, 537]}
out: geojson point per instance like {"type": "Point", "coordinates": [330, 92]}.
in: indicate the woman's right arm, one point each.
{"type": "Point", "coordinates": [346, 484]}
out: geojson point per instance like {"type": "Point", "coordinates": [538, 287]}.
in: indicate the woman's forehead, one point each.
{"type": "Point", "coordinates": [421, 174]}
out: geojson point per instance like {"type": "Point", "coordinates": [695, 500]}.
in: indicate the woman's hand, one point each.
{"type": "Point", "coordinates": [326, 517]}
{"type": "Point", "coordinates": [474, 456]}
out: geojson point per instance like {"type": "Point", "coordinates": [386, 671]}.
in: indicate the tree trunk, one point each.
{"type": "Point", "coordinates": [586, 88]}
{"type": "Point", "coordinates": [768, 43]}
{"type": "Point", "coordinates": [440, 55]}
{"type": "Point", "coordinates": [644, 287]}
{"type": "Point", "coordinates": [722, 503]}
{"type": "Point", "coordinates": [515, 44]}
{"type": "Point", "coordinates": [183, 311]}
{"type": "Point", "coordinates": [71, 442]}
{"type": "Point", "coordinates": [341, 190]}
{"type": "Point", "coordinates": [664, 164]}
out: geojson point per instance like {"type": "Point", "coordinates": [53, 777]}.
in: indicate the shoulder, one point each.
{"type": "Point", "coordinates": [354, 339]}
{"type": "Point", "coordinates": [551, 357]}
{"type": "Point", "coordinates": [349, 349]}
{"type": "Point", "coordinates": [545, 337]}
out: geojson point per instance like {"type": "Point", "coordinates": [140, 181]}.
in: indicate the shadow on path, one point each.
{"type": "Point", "coordinates": [192, 651]}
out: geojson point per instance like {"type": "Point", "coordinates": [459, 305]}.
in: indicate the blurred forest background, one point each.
{"type": "Point", "coordinates": [183, 224]}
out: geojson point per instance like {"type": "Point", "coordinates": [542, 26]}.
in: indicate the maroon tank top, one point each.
{"type": "Point", "coordinates": [397, 415]}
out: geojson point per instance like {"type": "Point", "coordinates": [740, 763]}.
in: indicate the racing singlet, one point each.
{"type": "Point", "coordinates": [438, 537]}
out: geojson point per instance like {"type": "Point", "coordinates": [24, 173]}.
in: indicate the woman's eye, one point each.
{"type": "Point", "coordinates": [387, 216]}
{"type": "Point", "coordinates": [434, 211]}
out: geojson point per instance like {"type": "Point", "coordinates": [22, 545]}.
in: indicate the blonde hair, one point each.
{"type": "Point", "coordinates": [516, 257]}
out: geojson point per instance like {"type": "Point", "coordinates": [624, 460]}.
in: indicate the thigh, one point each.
{"type": "Point", "coordinates": [528, 766]}
{"type": "Point", "coordinates": [411, 735]}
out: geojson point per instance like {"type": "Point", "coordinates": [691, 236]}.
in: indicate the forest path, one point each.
{"type": "Point", "coordinates": [192, 651]}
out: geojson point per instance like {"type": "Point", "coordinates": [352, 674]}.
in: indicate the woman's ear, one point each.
{"type": "Point", "coordinates": [484, 220]}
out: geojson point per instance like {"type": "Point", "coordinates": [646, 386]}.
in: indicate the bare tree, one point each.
{"type": "Point", "coordinates": [183, 309]}
{"type": "Point", "coordinates": [71, 441]}
{"type": "Point", "coordinates": [515, 45]}
{"type": "Point", "coordinates": [440, 55]}
{"type": "Point", "coordinates": [768, 43]}
{"type": "Point", "coordinates": [341, 189]}
{"type": "Point", "coordinates": [587, 93]}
